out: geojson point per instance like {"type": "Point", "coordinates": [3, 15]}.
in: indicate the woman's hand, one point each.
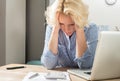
{"type": "Point", "coordinates": [81, 45]}
{"type": "Point", "coordinates": [57, 25]}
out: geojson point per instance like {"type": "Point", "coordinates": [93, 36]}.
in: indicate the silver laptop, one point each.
{"type": "Point", "coordinates": [107, 58]}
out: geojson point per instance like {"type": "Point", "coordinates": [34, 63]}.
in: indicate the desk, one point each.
{"type": "Point", "coordinates": [18, 74]}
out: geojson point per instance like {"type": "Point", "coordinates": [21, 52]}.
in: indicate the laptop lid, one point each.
{"type": "Point", "coordinates": [107, 58]}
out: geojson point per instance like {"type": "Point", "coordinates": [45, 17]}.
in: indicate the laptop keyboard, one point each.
{"type": "Point", "coordinates": [88, 72]}
{"type": "Point", "coordinates": [78, 72]}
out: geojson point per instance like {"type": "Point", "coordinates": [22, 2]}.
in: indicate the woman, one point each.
{"type": "Point", "coordinates": [70, 41]}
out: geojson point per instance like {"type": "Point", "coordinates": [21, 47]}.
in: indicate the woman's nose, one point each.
{"type": "Point", "coordinates": [69, 29]}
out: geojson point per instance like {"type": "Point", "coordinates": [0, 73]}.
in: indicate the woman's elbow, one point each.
{"type": "Point", "coordinates": [49, 68]}
{"type": "Point", "coordinates": [47, 64]}
{"type": "Point", "coordinates": [86, 64]}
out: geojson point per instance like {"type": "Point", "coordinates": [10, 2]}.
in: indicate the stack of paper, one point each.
{"type": "Point", "coordinates": [33, 76]}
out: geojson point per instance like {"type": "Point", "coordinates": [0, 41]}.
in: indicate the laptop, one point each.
{"type": "Point", "coordinates": [106, 63]}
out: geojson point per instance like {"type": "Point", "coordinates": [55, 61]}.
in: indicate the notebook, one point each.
{"type": "Point", "coordinates": [106, 63]}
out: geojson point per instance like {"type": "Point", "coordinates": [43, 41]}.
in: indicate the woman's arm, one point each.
{"type": "Point", "coordinates": [81, 45]}
{"type": "Point", "coordinates": [53, 42]}
{"type": "Point", "coordinates": [85, 59]}
{"type": "Point", "coordinates": [48, 58]}
{"type": "Point", "coordinates": [50, 53]}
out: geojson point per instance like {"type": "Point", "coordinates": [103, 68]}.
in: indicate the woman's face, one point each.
{"type": "Point", "coordinates": [67, 24]}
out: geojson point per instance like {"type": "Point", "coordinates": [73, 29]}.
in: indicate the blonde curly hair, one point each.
{"type": "Point", "coordinates": [76, 9]}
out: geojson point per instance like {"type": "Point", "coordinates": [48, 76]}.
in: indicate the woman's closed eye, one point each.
{"type": "Point", "coordinates": [70, 25]}
{"type": "Point", "coordinates": [61, 25]}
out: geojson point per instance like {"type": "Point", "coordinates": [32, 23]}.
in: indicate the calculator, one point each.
{"type": "Point", "coordinates": [55, 75]}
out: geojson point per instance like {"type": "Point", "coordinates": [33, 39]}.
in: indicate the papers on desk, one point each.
{"type": "Point", "coordinates": [33, 76]}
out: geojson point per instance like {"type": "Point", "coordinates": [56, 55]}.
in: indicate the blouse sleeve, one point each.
{"type": "Point", "coordinates": [48, 59]}
{"type": "Point", "coordinates": [86, 61]}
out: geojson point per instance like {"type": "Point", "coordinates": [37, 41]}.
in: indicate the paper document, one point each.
{"type": "Point", "coordinates": [40, 76]}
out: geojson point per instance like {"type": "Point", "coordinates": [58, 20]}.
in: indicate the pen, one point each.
{"type": "Point", "coordinates": [16, 67]}
{"type": "Point", "coordinates": [33, 76]}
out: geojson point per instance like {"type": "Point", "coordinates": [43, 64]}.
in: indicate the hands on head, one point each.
{"type": "Point", "coordinates": [69, 22]}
